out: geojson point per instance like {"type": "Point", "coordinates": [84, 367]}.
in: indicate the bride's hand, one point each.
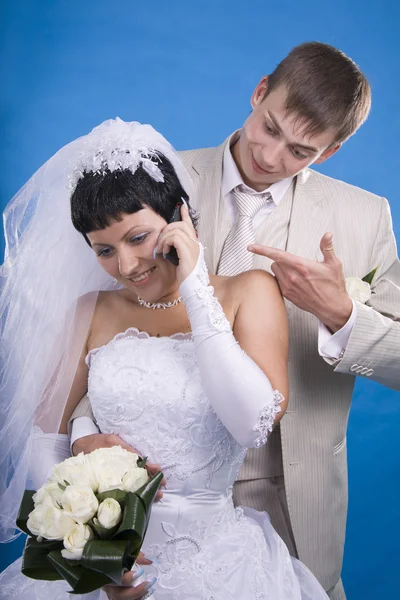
{"type": "Point", "coordinates": [129, 591]}
{"type": "Point", "coordinates": [182, 236]}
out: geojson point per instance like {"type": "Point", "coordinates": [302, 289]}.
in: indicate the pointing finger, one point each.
{"type": "Point", "coordinates": [277, 255]}
{"type": "Point", "coordinates": [268, 251]}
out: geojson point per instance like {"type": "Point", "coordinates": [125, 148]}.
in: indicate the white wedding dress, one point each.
{"type": "Point", "coordinates": [148, 390]}
{"type": "Point", "coordinates": [151, 392]}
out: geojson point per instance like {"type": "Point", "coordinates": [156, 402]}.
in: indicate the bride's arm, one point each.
{"type": "Point", "coordinates": [261, 328]}
{"type": "Point", "coordinates": [244, 371]}
{"type": "Point", "coordinates": [49, 448]}
{"type": "Point", "coordinates": [78, 390]}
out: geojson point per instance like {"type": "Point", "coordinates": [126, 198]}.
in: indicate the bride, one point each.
{"type": "Point", "coordinates": [188, 368]}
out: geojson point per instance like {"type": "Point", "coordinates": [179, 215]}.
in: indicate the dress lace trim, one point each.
{"type": "Point", "coordinates": [205, 292]}
{"type": "Point", "coordinates": [266, 419]}
{"type": "Point", "coordinates": [215, 311]}
{"type": "Point", "coordinates": [134, 332]}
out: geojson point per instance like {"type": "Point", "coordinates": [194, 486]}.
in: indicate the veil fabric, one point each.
{"type": "Point", "coordinates": [49, 282]}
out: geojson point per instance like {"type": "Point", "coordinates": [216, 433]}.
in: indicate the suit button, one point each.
{"type": "Point", "coordinates": [369, 372]}
{"type": "Point", "coordinates": [353, 368]}
{"type": "Point", "coordinates": [364, 371]}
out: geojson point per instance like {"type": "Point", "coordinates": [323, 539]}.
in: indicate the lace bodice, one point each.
{"type": "Point", "coordinates": [148, 391]}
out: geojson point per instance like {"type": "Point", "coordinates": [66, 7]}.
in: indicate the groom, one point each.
{"type": "Point", "coordinates": [311, 231]}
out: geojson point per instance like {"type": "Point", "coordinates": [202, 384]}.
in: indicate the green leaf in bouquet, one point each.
{"type": "Point", "coordinates": [111, 557]}
{"type": "Point", "coordinates": [148, 491]}
{"type": "Point", "coordinates": [35, 563]}
{"type": "Point", "coordinates": [369, 277]}
{"type": "Point", "coordinates": [26, 507]}
{"type": "Point", "coordinates": [141, 462]}
{"type": "Point", "coordinates": [134, 519]}
{"type": "Point", "coordinates": [117, 494]}
{"type": "Point", "coordinates": [81, 579]}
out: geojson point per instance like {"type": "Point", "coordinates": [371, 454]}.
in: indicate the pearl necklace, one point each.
{"type": "Point", "coordinates": [155, 305]}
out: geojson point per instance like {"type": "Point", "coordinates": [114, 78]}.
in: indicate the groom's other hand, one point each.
{"type": "Point", "coordinates": [316, 287]}
{"type": "Point", "coordinates": [88, 443]}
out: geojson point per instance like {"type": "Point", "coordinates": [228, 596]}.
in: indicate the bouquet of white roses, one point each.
{"type": "Point", "coordinates": [87, 523]}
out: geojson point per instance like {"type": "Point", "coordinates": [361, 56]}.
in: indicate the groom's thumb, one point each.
{"type": "Point", "coordinates": [326, 246]}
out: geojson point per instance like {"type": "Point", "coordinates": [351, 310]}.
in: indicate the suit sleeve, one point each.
{"type": "Point", "coordinates": [82, 421]}
{"type": "Point", "coordinates": [373, 350]}
{"type": "Point", "coordinates": [83, 409]}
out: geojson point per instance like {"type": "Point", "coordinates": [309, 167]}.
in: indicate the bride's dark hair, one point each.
{"type": "Point", "coordinates": [101, 198]}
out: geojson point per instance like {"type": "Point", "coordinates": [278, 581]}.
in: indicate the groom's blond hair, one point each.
{"type": "Point", "coordinates": [325, 88]}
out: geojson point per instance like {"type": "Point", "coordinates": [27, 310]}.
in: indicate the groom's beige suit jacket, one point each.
{"type": "Point", "coordinates": [313, 430]}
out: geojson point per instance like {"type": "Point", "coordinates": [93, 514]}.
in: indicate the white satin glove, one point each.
{"type": "Point", "coordinates": [48, 449]}
{"type": "Point", "coordinates": [239, 391]}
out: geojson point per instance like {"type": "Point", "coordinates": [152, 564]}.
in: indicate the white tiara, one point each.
{"type": "Point", "coordinates": [117, 145]}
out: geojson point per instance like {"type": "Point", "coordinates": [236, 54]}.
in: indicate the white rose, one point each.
{"type": "Point", "coordinates": [50, 494]}
{"type": "Point", "coordinates": [109, 513]}
{"type": "Point", "coordinates": [77, 470]}
{"type": "Point", "coordinates": [358, 289]}
{"type": "Point", "coordinates": [49, 522]}
{"type": "Point", "coordinates": [134, 479]}
{"type": "Point", "coordinates": [80, 503]}
{"type": "Point", "coordinates": [75, 541]}
{"type": "Point", "coordinates": [35, 519]}
{"type": "Point", "coordinates": [110, 466]}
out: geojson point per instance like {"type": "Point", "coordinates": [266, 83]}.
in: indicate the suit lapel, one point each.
{"type": "Point", "coordinates": [311, 217]}
{"type": "Point", "coordinates": [206, 172]}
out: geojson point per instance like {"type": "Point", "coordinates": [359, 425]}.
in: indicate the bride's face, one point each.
{"type": "Point", "coordinates": [125, 251]}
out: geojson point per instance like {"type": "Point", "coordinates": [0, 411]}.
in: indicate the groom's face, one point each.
{"type": "Point", "coordinates": [274, 144]}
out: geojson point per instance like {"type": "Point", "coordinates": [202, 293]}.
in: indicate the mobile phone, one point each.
{"type": "Point", "coordinates": [172, 255]}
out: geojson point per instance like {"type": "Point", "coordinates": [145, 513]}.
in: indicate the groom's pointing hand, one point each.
{"type": "Point", "coordinates": [316, 287]}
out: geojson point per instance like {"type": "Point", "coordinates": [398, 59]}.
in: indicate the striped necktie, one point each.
{"type": "Point", "coordinates": [235, 257]}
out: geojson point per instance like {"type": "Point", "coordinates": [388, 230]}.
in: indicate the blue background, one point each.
{"type": "Point", "coordinates": [189, 68]}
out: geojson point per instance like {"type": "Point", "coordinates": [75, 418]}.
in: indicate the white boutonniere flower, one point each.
{"type": "Point", "coordinates": [360, 289]}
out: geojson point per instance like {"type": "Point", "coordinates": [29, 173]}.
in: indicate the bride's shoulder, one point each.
{"type": "Point", "coordinates": [109, 315]}
{"type": "Point", "coordinates": [99, 298]}
{"type": "Point", "coordinates": [110, 303]}
{"type": "Point", "coordinates": [108, 298]}
{"type": "Point", "coordinates": [107, 304]}
{"type": "Point", "coordinates": [256, 280]}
